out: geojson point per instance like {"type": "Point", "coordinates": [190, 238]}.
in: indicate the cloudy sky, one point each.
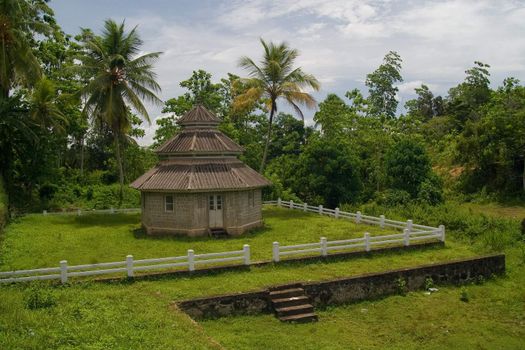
{"type": "Point", "coordinates": [340, 40]}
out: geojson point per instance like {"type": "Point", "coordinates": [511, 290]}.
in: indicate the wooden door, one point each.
{"type": "Point", "coordinates": [215, 205]}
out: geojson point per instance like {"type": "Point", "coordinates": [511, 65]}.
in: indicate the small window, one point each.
{"type": "Point", "coordinates": [168, 203]}
{"type": "Point", "coordinates": [211, 203]}
{"type": "Point", "coordinates": [219, 202]}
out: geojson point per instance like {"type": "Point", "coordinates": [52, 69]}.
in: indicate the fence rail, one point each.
{"type": "Point", "coordinates": [324, 246]}
{"type": "Point", "coordinates": [129, 266]}
{"type": "Point", "coordinates": [357, 217]}
{"type": "Point", "coordinates": [80, 212]}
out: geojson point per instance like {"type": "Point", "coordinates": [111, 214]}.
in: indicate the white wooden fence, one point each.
{"type": "Point", "coordinates": [324, 246]}
{"type": "Point", "coordinates": [411, 232]}
{"type": "Point", "coordinates": [357, 217]}
{"type": "Point", "coordinates": [80, 212]}
{"type": "Point", "coordinates": [129, 266]}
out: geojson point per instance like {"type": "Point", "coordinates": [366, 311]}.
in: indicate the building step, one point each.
{"type": "Point", "coordinates": [290, 301]}
{"type": "Point", "coordinates": [295, 310]}
{"type": "Point", "coordinates": [218, 233]}
{"type": "Point", "coordinates": [286, 293]}
{"type": "Point", "coordinates": [300, 318]}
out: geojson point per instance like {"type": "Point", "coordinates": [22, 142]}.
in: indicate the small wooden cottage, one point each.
{"type": "Point", "coordinates": [199, 187]}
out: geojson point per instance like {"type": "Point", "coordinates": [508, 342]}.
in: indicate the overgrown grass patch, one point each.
{"type": "Point", "coordinates": [41, 241]}
{"type": "Point", "coordinates": [143, 315]}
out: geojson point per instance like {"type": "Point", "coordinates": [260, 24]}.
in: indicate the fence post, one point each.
{"type": "Point", "coordinates": [63, 271]}
{"type": "Point", "coordinates": [191, 260]}
{"type": "Point", "coordinates": [320, 209]}
{"type": "Point", "coordinates": [79, 212]}
{"type": "Point", "coordinates": [382, 221]}
{"type": "Point", "coordinates": [442, 229]}
{"type": "Point", "coordinates": [275, 252]}
{"type": "Point", "coordinates": [279, 201]}
{"type": "Point", "coordinates": [358, 217]}
{"type": "Point", "coordinates": [305, 206]}
{"type": "Point", "coordinates": [44, 212]}
{"type": "Point", "coordinates": [291, 204]}
{"type": "Point", "coordinates": [336, 213]}
{"type": "Point", "coordinates": [406, 232]}
{"type": "Point", "coordinates": [129, 265]}
{"type": "Point", "coordinates": [409, 225]}
{"type": "Point", "coordinates": [367, 241]}
{"type": "Point", "coordinates": [112, 210]}
{"type": "Point", "coordinates": [324, 251]}
{"type": "Point", "coordinates": [246, 253]}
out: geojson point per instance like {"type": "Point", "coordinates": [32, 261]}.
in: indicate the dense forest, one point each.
{"type": "Point", "coordinates": [72, 108]}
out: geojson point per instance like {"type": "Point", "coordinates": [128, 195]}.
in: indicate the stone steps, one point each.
{"type": "Point", "coordinates": [218, 233]}
{"type": "Point", "coordinates": [291, 304]}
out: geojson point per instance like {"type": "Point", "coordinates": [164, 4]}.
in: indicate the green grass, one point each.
{"type": "Point", "coordinates": [142, 315]}
{"type": "Point", "coordinates": [38, 241]}
{"type": "Point", "coordinates": [493, 318]}
{"type": "Point", "coordinates": [498, 210]}
{"type": "Point", "coordinates": [3, 205]}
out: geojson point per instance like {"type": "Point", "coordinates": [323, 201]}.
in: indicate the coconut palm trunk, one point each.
{"type": "Point", "coordinates": [118, 155]}
{"type": "Point", "coordinates": [268, 138]}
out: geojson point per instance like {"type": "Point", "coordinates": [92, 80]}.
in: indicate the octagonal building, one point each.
{"type": "Point", "coordinates": [199, 187]}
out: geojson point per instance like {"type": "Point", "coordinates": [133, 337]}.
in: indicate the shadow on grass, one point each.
{"type": "Point", "coordinates": [139, 233]}
{"type": "Point", "coordinates": [106, 220]}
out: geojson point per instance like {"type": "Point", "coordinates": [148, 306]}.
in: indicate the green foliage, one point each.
{"type": "Point", "coordinates": [401, 286]}
{"type": "Point", "coordinates": [464, 296]}
{"type": "Point", "coordinates": [275, 78]}
{"type": "Point", "coordinates": [3, 205]}
{"type": "Point", "coordinates": [39, 297]}
{"type": "Point", "coordinates": [431, 190]}
{"type": "Point", "coordinates": [429, 283]}
{"type": "Point", "coordinates": [327, 173]}
{"type": "Point", "coordinates": [382, 101]}
{"type": "Point", "coordinates": [393, 197]}
{"type": "Point", "coordinates": [407, 165]}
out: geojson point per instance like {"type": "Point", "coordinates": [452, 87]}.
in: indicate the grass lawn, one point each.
{"type": "Point", "coordinates": [141, 315]}
{"type": "Point", "coordinates": [38, 241]}
{"type": "Point", "coordinates": [493, 318]}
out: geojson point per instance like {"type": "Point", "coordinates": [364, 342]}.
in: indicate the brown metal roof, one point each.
{"type": "Point", "coordinates": [203, 141]}
{"type": "Point", "coordinates": [198, 115]}
{"type": "Point", "coordinates": [199, 175]}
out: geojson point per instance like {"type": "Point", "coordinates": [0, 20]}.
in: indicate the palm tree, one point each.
{"type": "Point", "coordinates": [118, 78]}
{"type": "Point", "coordinates": [19, 21]}
{"type": "Point", "coordinates": [276, 78]}
{"type": "Point", "coordinates": [44, 109]}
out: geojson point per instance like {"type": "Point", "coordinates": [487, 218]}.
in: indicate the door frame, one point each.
{"type": "Point", "coordinates": [215, 204]}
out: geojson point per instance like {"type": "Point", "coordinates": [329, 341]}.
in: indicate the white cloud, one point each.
{"type": "Point", "coordinates": [343, 40]}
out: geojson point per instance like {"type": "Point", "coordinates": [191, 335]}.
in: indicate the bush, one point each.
{"type": "Point", "coordinates": [431, 190]}
{"type": "Point", "coordinates": [39, 297]}
{"type": "Point", "coordinates": [392, 198]}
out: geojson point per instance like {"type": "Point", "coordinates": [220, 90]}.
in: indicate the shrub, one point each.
{"type": "Point", "coordinates": [39, 297]}
{"type": "Point", "coordinates": [431, 190]}
{"type": "Point", "coordinates": [429, 283]}
{"type": "Point", "coordinates": [464, 297]}
{"type": "Point", "coordinates": [401, 286]}
{"type": "Point", "coordinates": [392, 198]}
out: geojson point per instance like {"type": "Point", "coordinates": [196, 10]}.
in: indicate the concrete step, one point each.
{"type": "Point", "coordinates": [218, 233]}
{"type": "Point", "coordinates": [300, 318]}
{"type": "Point", "coordinates": [290, 301]}
{"type": "Point", "coordinates": [286, 293]}
{"type": "Point", "coordinates": [295, 310]}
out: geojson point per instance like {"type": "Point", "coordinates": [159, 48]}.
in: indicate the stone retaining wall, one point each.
{"type": "Point", "coordinates": [351, 289]}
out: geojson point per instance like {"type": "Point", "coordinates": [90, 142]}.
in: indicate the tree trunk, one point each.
{"type": "Point", "coordinates": [82, 157]}
{"type": "Point", "coordinates": [120, 169]}
{"type": "Point", "coordinates": [268, 137]}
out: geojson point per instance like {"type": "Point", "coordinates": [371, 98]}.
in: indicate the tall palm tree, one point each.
{"type": "Point", "coordinates": [118, 79]}
{"type": "Point", "coordinates": [19, 21]}
{"type": "Point", "coordinates": [273, 79]}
